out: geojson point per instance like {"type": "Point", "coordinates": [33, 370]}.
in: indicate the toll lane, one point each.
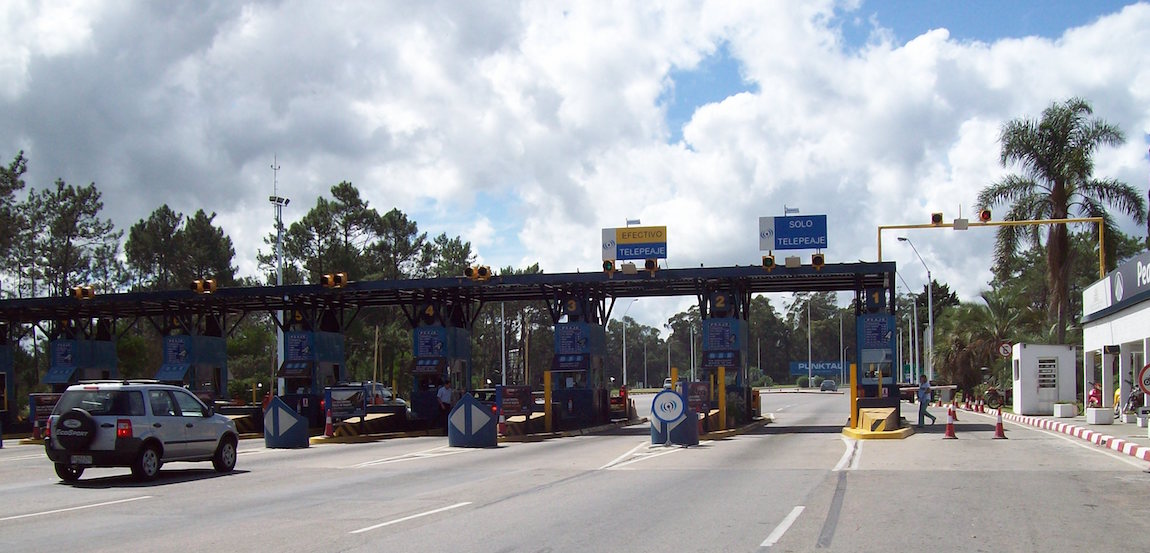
{"type": "Point", "coordinates": [783, 484]}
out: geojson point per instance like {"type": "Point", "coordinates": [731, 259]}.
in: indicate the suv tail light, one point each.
{"type": "Point", "coordinates": [123, 428]}
{"type": "Point", "coordinates": [48, 430]}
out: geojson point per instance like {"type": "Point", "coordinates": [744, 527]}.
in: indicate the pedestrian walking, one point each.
{"type": "Point", "coordinates": [924, 401]}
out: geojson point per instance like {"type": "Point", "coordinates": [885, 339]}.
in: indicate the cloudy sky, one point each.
{"type": "Point", "coordinates": [528, 127]}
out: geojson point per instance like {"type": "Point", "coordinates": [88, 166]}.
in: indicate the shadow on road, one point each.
{"type": "Point", "coordinates": [164, 478]}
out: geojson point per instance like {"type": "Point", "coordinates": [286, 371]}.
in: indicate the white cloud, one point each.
{"type": "Point", "coordinates": [526, 128]}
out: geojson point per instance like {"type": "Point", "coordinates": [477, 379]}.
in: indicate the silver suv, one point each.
{"type": "Point", "coordinates": [137, 424]}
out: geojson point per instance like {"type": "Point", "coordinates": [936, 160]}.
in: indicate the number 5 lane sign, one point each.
{"type": "Point", "coordinates": [799, 232]}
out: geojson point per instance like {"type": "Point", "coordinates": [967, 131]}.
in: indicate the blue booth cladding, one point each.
{"type": "Point", "coordinates": [71, 360]}
{"type": "Point", "coordinates": [312, 362]}
{"type": "Point", "coordinates": [8, 405]}
{"type": "Point", "coordinates": [470, 424]}
{"type": "Point", "coordinates": [198, 362]}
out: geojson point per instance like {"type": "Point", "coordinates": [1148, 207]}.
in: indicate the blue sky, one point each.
{"type": "Point", "coordinates": [527, 127]}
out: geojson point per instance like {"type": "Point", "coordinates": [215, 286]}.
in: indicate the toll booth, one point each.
{"type": "Point", "coordinates": [875, 371]}
{"type": "Point", "coordinates": [71, 360]}
{"type": "Point", "coordinates": [578, 386]}
{"type": "Point", "coordinates": [725, 346]}
{"type": "Point", "coordinates": [313, 361]}
{"type": "Point", "coordinates": [442, 354]}
{"type": "Point", "coordinates": [198, 363]}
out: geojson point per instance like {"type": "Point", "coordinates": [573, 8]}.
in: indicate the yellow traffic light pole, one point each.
{"type": "Point", "coordinates": [1096, 220]}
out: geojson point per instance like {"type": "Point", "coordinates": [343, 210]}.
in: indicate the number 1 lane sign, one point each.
{"type": "Point", "coordinates": [799, 232]}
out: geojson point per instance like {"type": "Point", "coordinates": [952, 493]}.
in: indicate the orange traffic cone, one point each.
{"type": "Point", "coordinates": [950, 424]}
{"type": "Point", "coordinates": [999, 432]}
{"type": "Point", "coordinates": [36, 430]}
{"type": "Point", "coordinates": [954, 411]}
{"type": "Point", "coordinates": [327, 429]}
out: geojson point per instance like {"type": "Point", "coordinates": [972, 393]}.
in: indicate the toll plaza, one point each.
{"type": "Point", "coordinates": [441, 311]}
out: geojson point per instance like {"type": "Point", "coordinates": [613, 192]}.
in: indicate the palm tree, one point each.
{"type": "Point", "coordinates": [974, 332]}
{"type": "Point", "coordinates": [1056, 156]}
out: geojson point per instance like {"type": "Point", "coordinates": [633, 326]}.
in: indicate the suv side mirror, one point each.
{"type": "Point", "coordinates": [208, 411]}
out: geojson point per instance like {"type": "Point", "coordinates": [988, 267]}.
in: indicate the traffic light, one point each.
{"type": "Point", "coordinates": [84, 292]}
{"type": "Point", "coordinates": [768, 262]}
{"type": "Point", "coordinates": [817, 261]}
{"type": "Point", "coordinates": [479, 272]}
{"type": "Point", "coordinates": [609, 266]}
{"type": "Point", "coordinates": [936, 219]}
{"type": "Point", "coordinates": [984, 215]}
{"type": "Point", "coordinates": [651, 265]}
{"type": "Point", "coordinates": [333, 280]}
{"type": "Point", "coordinates": [203, 285]}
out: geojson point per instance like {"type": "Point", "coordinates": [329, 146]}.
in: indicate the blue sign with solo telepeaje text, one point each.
{"type": "Point", "coordinates": [798, 232]}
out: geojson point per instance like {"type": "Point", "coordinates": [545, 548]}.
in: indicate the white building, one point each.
{"type": "Point", "coordinates": [1116, 327]}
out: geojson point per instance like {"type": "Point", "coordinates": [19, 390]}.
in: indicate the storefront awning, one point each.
{"type": "Point", "coordinates": [296, 369]}
{"type": "Point", "coordinates": [59, 375]}
{"type": "Point", "coordinates": [173, 372]}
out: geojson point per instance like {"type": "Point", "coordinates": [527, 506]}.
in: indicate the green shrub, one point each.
{"type": "Point", "coordinates": [801, 382]}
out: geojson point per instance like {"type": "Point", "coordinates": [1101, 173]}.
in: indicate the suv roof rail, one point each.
{"type": "Point", "coordinates": [119, 381]}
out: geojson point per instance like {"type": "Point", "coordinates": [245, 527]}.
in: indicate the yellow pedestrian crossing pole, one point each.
{"type": "Point", "coordinates": [547, 401]}
{"type": "Point", "coordinates": [721, 386]}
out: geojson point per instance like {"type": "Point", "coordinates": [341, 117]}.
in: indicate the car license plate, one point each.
{"type": "Point", "coordinates": [81, 459]}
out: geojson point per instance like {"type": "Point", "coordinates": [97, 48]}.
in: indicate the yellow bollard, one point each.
{"type": "Point", "coordinates": [547, 401]}
{"type": "Point", "coordinates": [674, 377]}
{"type": "Point", "coordinates": [721, 388]}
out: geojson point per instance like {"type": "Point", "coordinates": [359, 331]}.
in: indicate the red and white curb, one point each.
{"type": "Point", "coordinates": [1105, 440]}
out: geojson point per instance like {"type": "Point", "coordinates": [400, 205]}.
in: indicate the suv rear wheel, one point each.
{"type": "Point", "coordinates": [147, 464]}
{"type": "Point", "coordinates": [225, 457]}
{"type": "Point", "coordinates": [68, 473]}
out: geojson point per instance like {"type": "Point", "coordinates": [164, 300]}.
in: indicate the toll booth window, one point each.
{"type": "Point", "coordinates": [162, 404]}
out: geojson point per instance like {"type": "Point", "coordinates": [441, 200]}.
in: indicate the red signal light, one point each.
{"type": "Point", "coordinates": [984, 215]}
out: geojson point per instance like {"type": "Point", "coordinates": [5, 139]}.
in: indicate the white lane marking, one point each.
{"type": "Point", "coordinates": [407, 518]}
{"type": "Point", "coordinates": [646, 456]}
{"type": "Point", "coordinates": [850, 457]}
{"type": "Point", "coordinates": [54, 511]}
{"type": "Point", "coordinates": [783, 407]}
{"type": "Point", "coordinates": [782, 527]}
{"type": "Point", "coordinates": [623, 456]}
{"type": "Point", "coordinates": [24, 458]}
{"type": "Point", "coordinates": [440, 451]}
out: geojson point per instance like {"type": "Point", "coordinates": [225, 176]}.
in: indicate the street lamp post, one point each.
{"type": "Point", "coordinates": [625, 311]}
{"type": "Point", "coordinates": [929, 311]}
{"type": "Point", "coordinates": [913, 345]}
{"type": "Point", "coordinates": [279, 202]}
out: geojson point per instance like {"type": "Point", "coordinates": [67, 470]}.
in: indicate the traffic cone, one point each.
{"type": "Point", "coordinates": [36, 430]}
{"type": "Point", "coordinates": [327, 429]}
{"type": "Point", "coordinates": [950, 424]}
{"type": "Point", "coordinates": [967, 407]}
{"type": "Point", "coordinates": [978, 406]}
{"type": "Point", "coordinates": [954, 411]}
{"type": "Point", "coordinates": [502, 425]}
{"type": "Point", "coordinates": [999, 432]}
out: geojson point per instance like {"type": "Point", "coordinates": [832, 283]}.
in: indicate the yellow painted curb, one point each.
{"type": "Point", "coordinates": [899, 434]}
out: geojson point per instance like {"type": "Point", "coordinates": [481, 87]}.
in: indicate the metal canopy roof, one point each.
{"type": "Point", "coordinates": [664, 282]}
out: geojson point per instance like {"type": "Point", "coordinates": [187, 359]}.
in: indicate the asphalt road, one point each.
{"type": "Point", "coordinates": [792, 485]}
